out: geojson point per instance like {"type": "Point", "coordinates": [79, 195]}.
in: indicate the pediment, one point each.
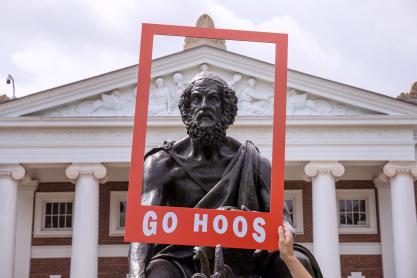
{"type": "Point", "coordinates": [255, 99]}
{"type": "Point", "coordinates": [113, 94]}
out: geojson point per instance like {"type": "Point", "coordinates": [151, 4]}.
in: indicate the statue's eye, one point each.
{"type": "Point", "coordinates": [214, 99]}
{"type": "Point", "coordinates": [195, 98]}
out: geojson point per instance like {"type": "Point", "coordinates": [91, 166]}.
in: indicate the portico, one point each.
{"type": "Point", "coordinates": [85, 249]}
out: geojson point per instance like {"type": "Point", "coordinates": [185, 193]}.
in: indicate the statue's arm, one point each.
{"type": "Point", "coordinates": [153, 194]}
{"type": "Point", "coordinates": [139, 257]}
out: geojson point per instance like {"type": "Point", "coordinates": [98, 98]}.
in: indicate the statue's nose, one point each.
{"type": "Point", "coordinates": [204, 102]}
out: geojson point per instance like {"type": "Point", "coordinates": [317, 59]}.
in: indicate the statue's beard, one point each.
{"type": "Point", "coordinates": [206, 134]}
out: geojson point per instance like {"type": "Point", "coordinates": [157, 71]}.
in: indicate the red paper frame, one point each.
{"type": "Point", "coordinates": [184, 234]}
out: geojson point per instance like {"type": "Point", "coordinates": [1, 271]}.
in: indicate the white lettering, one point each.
{"type": "Point", "coordinates": [216, 224]}
{"type": "Point", "coordinates": [200, 222]}
{"type": "Point", "coordinates": [244, 224]}
{"type": "Point", "coordinates": [174, 221]}
{"type": "Point", "coordinates": [259, 235]}
{"type": "Point", "coordinates": [149, 223]}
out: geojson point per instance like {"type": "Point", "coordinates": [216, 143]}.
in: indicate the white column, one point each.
{"type": "Point", "coordinates": [84, 252]}
{"type": "Point", "coordinates": [323, 175]}
{"type": "Point", "coordinates": [385, 224]}
{"type": "Point", "coordinates": [25, 199]}
{"type": "Point", "coordinates": [9, 176]}
{"type": "Point", "coordinates": [404, 221]}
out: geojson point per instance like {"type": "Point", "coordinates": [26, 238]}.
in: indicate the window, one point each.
{"type": "Point", "coordinates": [294, 201]}
{"type": "Point", "coordinates": [118, 201]}
{"type": "Point", "coordinates": [53, 214]}
{"type": "Point", "coordinates": [356, 211]}
{"type": "Point", "coordinates": [290, 207]}
{"type": "Point", "coordinates": [353, 212]}
{"type": "Point", "coordinates": [122, 215]}
{"type": "Point", "coordinates": [58, 215]}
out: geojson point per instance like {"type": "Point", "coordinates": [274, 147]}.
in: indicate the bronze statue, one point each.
{"type": "Point", "coordinates": [207, 169]}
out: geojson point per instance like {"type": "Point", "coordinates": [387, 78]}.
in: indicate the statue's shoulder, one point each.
{"type": "Point", "coordinates": [158, 158]}
{"type": "Point", "coordinates": [159, 150]}
{"type": "Point", "coordinates": [163, 154]}
{"type": "Point", "coordinates": [264, 162]}
{"type": "Point", "coordinates": [157, 161]}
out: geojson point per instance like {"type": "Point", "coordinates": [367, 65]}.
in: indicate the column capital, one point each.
{"type": "Point", "coordinates": [381, 181]}
{"type": "Point", "coordinates": [15, 171]}
{"type": "Point", "coordinates": [97, 170]}
{"type": "Point", "coordinates": [26, 183]}
{"type": "Point", "coordinates": [393, 168]}
{"type": "Point", "coordinates": [334, 168]}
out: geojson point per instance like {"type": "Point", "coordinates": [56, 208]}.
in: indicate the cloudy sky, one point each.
{"type": "Point", "coordinates": [370, 44]}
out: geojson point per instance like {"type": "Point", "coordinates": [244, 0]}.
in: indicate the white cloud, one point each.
{"type": "Point", "coordinates": [53, 64]}
{"type": "Point", "coordinates": [305, 52]}
{"type": "Point", "coordinates": [370, 46]}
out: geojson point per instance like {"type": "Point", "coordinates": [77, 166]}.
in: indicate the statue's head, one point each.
{"type": "Point", "coordinates": [208, 106]}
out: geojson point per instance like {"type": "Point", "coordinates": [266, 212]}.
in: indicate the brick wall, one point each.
{"type": "Point", "coordinates": [308, 210]}
{"type": "Point", "coordinates": [307, 236]}
{"type": "Point", "coordinates": [104, 210]}
{"type": "Point", "coordinates": [42, 268]}
{"type": "Point", "coordinates": [112, 267]}
{"type": "Point", "coordinates": [107, 267]}
{"type": "Point", "coordinates": [104, 215]}
{"type": "Point", "coordinates": [369, 265]}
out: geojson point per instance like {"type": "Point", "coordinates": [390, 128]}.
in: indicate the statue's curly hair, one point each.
{"type": "Point", "coordinates": [228, 103]}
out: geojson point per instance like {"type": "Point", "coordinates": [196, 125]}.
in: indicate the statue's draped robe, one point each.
{"type": "Point", "coordinates": [243, 184]}
{"type": "Point", "coordinates": [240, 185]}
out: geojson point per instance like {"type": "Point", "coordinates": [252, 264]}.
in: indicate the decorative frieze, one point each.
{"type": "Point", "coordinates": [255, 99]}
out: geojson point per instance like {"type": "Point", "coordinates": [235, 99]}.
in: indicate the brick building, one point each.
{"type": "Point", "coordinates": [65, 153]}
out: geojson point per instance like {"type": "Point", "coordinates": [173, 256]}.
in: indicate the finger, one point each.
{"type": "Point", "coordinates": [288, 237]}
{"type": "Point", "coordinates": [286, 226]}
{"type": "Point", "coordinates": [288, 240]}
{"type": "Point", "coordinates": [281, 234]}
{"type": "Point", "coordinates": [280, 231]}
{"type": "Point", "coordinates": [287, 233]}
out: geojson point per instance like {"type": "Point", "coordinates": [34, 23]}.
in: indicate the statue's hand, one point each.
{"type": "Point", "coordinates": [221, 270]}
{"type": "Point", "coordinates": [243, 207]}
{"type": "Point", "coordinates": [228, 208]}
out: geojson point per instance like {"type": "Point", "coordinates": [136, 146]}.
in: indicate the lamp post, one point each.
{"type": "Point", "coordinates": [9, 80]}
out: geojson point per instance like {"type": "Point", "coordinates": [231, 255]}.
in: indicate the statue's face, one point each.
{"type": "Point", "coordinates": [206, 106]}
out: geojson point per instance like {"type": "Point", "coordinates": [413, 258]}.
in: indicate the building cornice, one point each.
{"type": "Point", "coordinates": [349, 94]}
{"type": "Point", "coordinates": [363, 120]}
{"type": "Point", "coordinates": [70, 92]}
